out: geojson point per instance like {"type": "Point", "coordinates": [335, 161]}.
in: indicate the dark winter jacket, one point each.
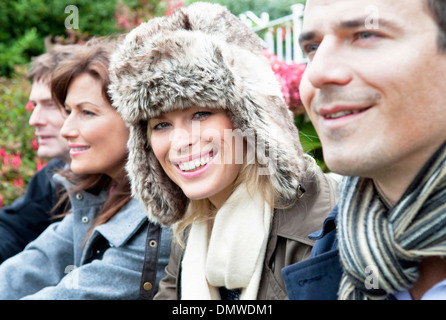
{"type": "Point", "coordinates": [26, 218]}
{"type": "Point", "coordinates": [318, 277]}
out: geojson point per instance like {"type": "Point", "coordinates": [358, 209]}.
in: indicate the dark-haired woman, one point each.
{"type": "Point", "coordinates": [97, 251]}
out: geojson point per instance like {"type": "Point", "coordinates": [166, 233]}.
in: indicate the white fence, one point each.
{"type": "Point", "coordinates": [282, 35]}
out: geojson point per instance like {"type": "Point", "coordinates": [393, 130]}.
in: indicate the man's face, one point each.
{"type": "Point", "coordinates": [375, 86]}
{"type": "Point", "coordinates": [47, 119]}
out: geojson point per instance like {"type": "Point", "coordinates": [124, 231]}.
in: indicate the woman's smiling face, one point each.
{"type": "Point", "coordinates": [96, 134]}
{"type": "Point", "coordinates": [197, 150]}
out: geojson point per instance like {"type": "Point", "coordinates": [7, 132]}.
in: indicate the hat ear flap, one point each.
{"type": "Point", "coordinates": [167, 201]}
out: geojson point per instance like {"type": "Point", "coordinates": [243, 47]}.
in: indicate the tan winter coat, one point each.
{"type": "Point", "coordinates": [288, 241]}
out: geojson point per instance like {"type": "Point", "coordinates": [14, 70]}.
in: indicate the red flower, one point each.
{"type": "Point", "coordinates": [40, 164]}
{"type": "Point", "coordinates": [2, 152]}
{"type": "Point", "coordinates": [2, 203]}
{"type": "Point", "coordinates": [5, 160]}
{"type": "Point", "coordinates": [16, 161]}
{"type": "Point", "coordinates": [173, 6]}
{"type": "Point", "coordinates": [34, 144]}
{"type": "Point", "coordinates": [18, 182]}
{"type": "Point", "coordinates": [289, 77]}
{"type": "Point", "coordinates": [29, 106]}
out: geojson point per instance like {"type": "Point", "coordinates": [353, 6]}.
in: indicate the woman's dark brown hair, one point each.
{"type": "Point", "coordinates": [93, 59]}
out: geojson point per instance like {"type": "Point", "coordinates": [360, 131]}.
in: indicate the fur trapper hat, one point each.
{"type": "Point", "coordinates": [201, 55]}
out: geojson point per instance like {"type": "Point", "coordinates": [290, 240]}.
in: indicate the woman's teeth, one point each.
{"type": "Point", "coordinates": [79, 149]}
{"type": "Point", "coordinates": [194, 164]}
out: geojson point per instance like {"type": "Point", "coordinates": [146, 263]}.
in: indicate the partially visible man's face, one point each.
{"type": "Point", "coordinates": [47, 119]}
{"type": "Point", "coordinates": [375, 85]}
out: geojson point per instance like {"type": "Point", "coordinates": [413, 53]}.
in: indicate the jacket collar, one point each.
{"type": "Point", "coordinates": [81, 199]}
{"type": "Point", "coordinates": [122, 226]}
{"type": "Point", "coordinates": [307, 214]}
{"type": "Point", "coordinates": [328, 226]}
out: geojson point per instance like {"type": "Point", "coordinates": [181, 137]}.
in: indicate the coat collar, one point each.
{"type": "Point", "coordinates": [80, 199]}
{"type": "Point", "coordinates": [308, 213]}
{"type": "Point", "coordinates": [122, 226]}
{"type": "Point", "coordinates": [328, 226]}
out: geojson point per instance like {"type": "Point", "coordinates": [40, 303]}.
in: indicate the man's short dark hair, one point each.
{"type": "Point", "coordinates": [43, 66]}
{"type": "Point", "coordinates": [437, 9]}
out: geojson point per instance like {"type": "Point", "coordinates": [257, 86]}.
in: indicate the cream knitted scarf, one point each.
{"type": "Point", "coordinates": [230, 255]}
{"type": "Point", "coordinates": [381, 248]}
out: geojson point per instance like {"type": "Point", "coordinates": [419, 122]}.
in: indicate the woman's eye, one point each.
{"type": "Point", "coordinates": [88, 113]}
{"type": "Point", "coordinates": [160, 126]}
{"type": "Point", "coordinates": [201, 115]}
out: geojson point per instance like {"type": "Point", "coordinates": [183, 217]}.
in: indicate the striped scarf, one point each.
{"type": "Point", "coordinates": [381, 248]}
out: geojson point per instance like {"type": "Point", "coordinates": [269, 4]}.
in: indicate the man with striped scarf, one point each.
{"type": "Point", "coordinates": [375, 91]}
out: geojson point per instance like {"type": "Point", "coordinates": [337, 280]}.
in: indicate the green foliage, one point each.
{"type": "Point", "coordinates": [24, 25]}
{"type": "Point", "coordinates": [18, 52]}
{"type": "Point", "coordinates": [275, 8]}
{"type": "Point", "coordinates": [147, 8]}
{"type": "Point", "coordinates": [18, 160]}
{"type": "Point", "coordinates": [310, 140]}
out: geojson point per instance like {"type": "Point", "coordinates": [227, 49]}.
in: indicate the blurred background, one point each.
{"type": "Point", "coordinates": [29, 27]}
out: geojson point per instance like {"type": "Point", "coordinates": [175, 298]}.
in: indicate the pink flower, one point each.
{"type": "Point", "coordinates": [18, 182]}
{"type": "Point", "coordinates": [172, 7]}
{"type": "Point", "coordinates": [40, 164]}
{"type": "Point", "coordinates": [2, 152]}
{"type": "Point", "coordinates": [5, 160]}
{"type": "Point", "coordinates": [34, 144]}
{"type": "Point", "coordinates": [29, 106]}
{"type": "Point", "coordinates": [2, 203]}
{"type": "Point", "coordinates": [16, 161]}
{"type": "Point", "coordinates": [289, 77]}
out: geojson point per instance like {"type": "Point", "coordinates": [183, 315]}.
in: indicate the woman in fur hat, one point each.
{"type": "Point", "coordinates": [213, 150]}
{"type": "Point", "coordinates": [97, 250]}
